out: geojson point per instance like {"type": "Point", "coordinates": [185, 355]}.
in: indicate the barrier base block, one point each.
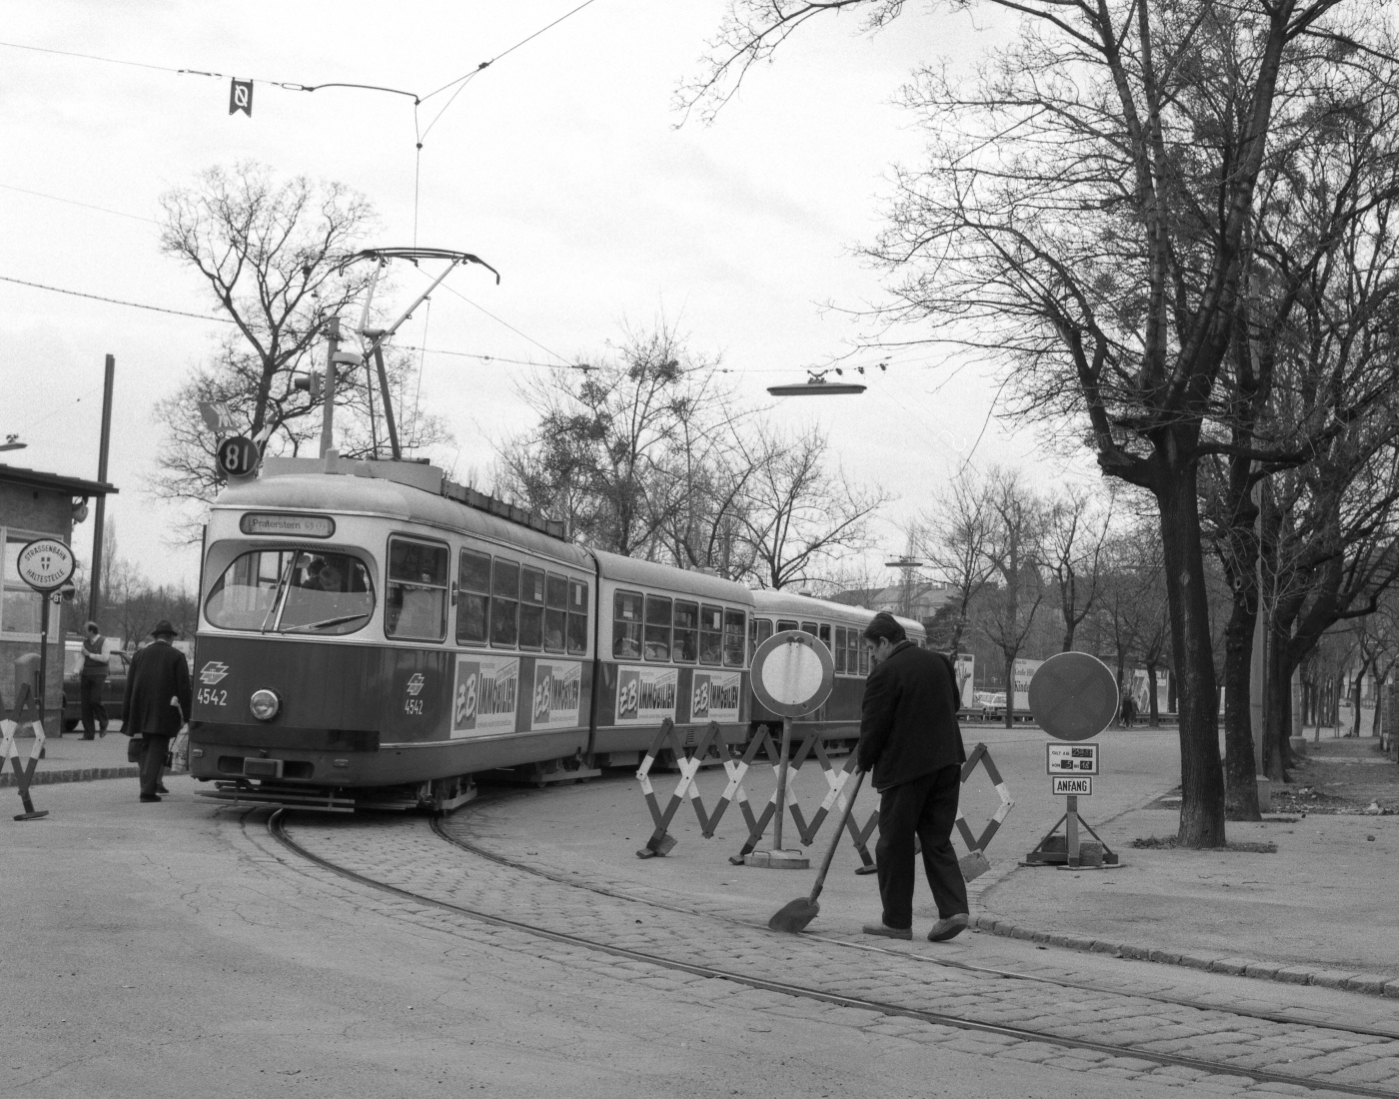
{"type": "Point", "coordinates": [32, 816]}
{"type": "Point", "coordinates": [973, 865]}
{"type": "Point", "coordinates": [778, 860]}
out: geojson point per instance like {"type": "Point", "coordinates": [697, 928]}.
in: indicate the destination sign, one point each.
{"type": "Point", "coordinates": [1076, 759]}
{"type": "Point", "coordinates": [1077, 787]}
{"type": "Point", "coordinates": [288, 526]}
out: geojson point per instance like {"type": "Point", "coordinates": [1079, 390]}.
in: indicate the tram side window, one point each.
{"type": "Point", "coordinates": [686, 648]}
{"type": "Point", "coordinates": [577, 617]}
{"type": "Point", "coordinates": [626, 625]}
{"type": "Point", "coordinates": [759, 630]}
{"type": "Point", "coordinates": [864, 659]}
{"type": "Point", "coordinates": [657, 628]}
{"type": "Point", "coordinates": [473, 597]}
{"type": "Point", "coordinates": [734, 632]}
{"type": "Point", "coordinates": [852, 653]}
{"type": "Point", "coordinates": [531, 608]}
{"type": "Point", "coordinates": [416, 600]}
{"type": "Point", "coordinates": [783, 625]}
{"type": "Point", "coordinates": [555, 613]}
{"type": "Point", "coordinates": [505, 602]}
{"type": "Point", "coordinates": [711, 635]}
{"type": "Point", "coordinates": [838, 652]}
{"type": "Point", "coordinates": [809, 627]}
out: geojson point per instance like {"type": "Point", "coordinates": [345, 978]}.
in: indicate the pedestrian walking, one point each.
{"type": "Point", "coordinates": [157, 698]}
{"type": "Point", "coordinates": [1129, 711]}
{"type": "Point", "coordinates": [91, 679]}
{"type": "Point", "coordinates": [911, 745]}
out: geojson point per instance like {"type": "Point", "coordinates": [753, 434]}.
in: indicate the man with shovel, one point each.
{"type": "Point", "coordinates": [911, 745]}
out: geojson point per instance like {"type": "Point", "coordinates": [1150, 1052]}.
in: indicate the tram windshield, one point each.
{"type": "Point", "coordinates": [292, 591]}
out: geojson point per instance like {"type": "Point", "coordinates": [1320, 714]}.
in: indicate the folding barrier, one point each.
{"type": "Point", "coordinates": [689, 757]}
{"type": "Point", "coordinates": [10, 724]}
{"type": "Point", "coordinates": [974, 863]}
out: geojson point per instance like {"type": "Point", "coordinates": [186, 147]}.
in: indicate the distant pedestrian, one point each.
{"type": "Point", "coordinates": [912, 746]}
{"type": "Point", "coordinates": [1129, 711]}
{"type": "Point", "coordinates": [157, 699]}
{"type": "Point", "coordinates": [91, 679]}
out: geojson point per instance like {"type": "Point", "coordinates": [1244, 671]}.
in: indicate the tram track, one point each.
{"type": "Point", "coordinates": [440, 828]}
{"type": "Point", "coordinates": [277, 826]}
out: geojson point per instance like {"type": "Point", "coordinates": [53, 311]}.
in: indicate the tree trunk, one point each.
{"type": "Point", "coordinates": [1010, 692]}
{"type": "Point", "coordinates": [1277, 708]}
{"type": "Point", "coordinates": [1201, 774]}
{"type": "Point", "coordinates": [1241, 787]}
{"type": "Point", "coordinates": [1155, 720]}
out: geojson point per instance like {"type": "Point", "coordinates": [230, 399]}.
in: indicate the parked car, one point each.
{"type": "Point", "coordinates": [113, 687]}
{"type": "Point", "coordinates": [991, 704]}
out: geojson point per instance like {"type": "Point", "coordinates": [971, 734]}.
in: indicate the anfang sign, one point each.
{"type": "Point", "coordinates": [1077, 787]}
{"type": "Point", "coordinates": [45, 564]}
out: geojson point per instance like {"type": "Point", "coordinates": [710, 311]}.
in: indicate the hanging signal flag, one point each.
{"type": "Point", "coordinates": [240, 97]}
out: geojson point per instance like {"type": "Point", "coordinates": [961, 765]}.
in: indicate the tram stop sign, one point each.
{"type": "Point", "coordinates": [792, 673]}
{"type": "Point", "coordinates": [45, 564]}
{"type": "Point", "coordinates": [1073, 696]}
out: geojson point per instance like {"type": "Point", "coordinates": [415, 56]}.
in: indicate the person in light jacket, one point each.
{"type": "Point", "coordinates": [911, 745]}
{"type": "Point", "coordinates": [158, 697]}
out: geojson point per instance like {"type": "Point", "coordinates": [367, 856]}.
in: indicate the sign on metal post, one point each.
{"type": "Point", "coordinates": [792, 675]}
{"type": "Point", "coordinates": [45, 564]}
{"type": "Point", "coordinates": [1073, 697]}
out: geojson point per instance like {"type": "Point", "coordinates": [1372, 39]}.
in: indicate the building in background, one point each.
{"type": "Point", "coordinates": [35, 505]}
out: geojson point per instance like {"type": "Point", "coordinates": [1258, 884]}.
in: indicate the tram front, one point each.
{"type": "Point", "coordinates": [303, 665]}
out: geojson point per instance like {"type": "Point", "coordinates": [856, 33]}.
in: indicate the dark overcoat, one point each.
{"type": "Point", "coordinates": [158, 673]}
{"type": "Point", "coordinates": [908, 723]}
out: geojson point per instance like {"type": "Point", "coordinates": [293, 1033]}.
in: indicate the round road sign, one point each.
{"type": "Point", "coordinates": [45, 564]}
{"type": "Point", "coordinates": [1073, 696]}
{"type": "Point", "coordinates": [792, 673]}
{"type": "Point", "coordinates": [237, 457]}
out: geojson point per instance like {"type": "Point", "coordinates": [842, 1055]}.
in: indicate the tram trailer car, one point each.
{"type": "Point", "coordinates": [371, 633]}
{"type": "Point", "coordinates": [838, 626]}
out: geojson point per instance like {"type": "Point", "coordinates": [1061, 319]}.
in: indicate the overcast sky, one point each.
{"type": "Point", "coordinates": [564, 165]}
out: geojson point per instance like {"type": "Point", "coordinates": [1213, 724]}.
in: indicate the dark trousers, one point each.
{"type": "Point", "coordinates": [154, 749]}
{"type": "Point", "coordinates": [90, 699]}
{"type": "Point", "coordinates": [925, 808]}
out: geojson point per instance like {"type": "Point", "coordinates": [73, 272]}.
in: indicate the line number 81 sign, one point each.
{"type": "Point", "coordinates": [237, 457]}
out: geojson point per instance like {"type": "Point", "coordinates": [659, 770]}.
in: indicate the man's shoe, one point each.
{"type": "Point", "coordinates": [150, 797]}
{"type": "Point", "coordinates": [161, 789]}
{"type": "Point", "coordinates": [949, 928]}
{"type": "Point", "coordinates": [888, 932]}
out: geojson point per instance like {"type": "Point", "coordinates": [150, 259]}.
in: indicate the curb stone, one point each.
{"type": "Point", "coordinates": [86, 774]}
{"type": "Point", "coordinates": [1369, 984]}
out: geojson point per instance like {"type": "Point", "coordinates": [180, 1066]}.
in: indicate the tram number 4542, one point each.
{"type": "Point", "coordinates": [210, 697]}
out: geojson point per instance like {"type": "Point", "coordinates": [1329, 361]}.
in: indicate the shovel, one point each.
{"type": "Point", "coordinates": [795, 915]}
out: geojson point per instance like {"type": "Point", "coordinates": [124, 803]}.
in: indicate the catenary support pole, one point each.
{"type": "Point", "coordinates": [94, 598]}
{"type": "Point", "coordinates": [332, 332]}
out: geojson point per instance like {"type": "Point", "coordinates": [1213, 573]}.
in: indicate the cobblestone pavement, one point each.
{"type": "Point", "coordinates": [407, 854]}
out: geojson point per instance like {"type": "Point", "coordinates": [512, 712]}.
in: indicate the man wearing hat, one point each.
{"type": "Point", "coordinates": [157, 698]}
{"type": "Point", "coordinates": [90, 681]}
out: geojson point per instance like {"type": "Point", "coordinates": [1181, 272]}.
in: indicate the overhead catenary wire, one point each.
{"type": "Point", "coordinates": [75, 202]}
{"type": "Point", "coordinates": [561, 364]}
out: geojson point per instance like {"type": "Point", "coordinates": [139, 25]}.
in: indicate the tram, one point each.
{"type": "Point", "coordinates": [371, 634]}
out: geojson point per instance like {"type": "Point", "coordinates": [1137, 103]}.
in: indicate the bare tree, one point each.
{"type": "Point", "coordinates": [271, 254]}
{"type": "Point", "coordinates": [1007, 609]}
{"type": "Point", "coordinates": [955, 535]}
{"type": "Point", "coordinates": [1076, 530]}
{"type": "Point", "coordinates": [799, 516]}
{"type": "Point", "coordinates": [621, 443]}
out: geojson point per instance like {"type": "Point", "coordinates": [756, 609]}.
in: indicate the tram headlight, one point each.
{"type": "Point", "coordinates": [264, 704]}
